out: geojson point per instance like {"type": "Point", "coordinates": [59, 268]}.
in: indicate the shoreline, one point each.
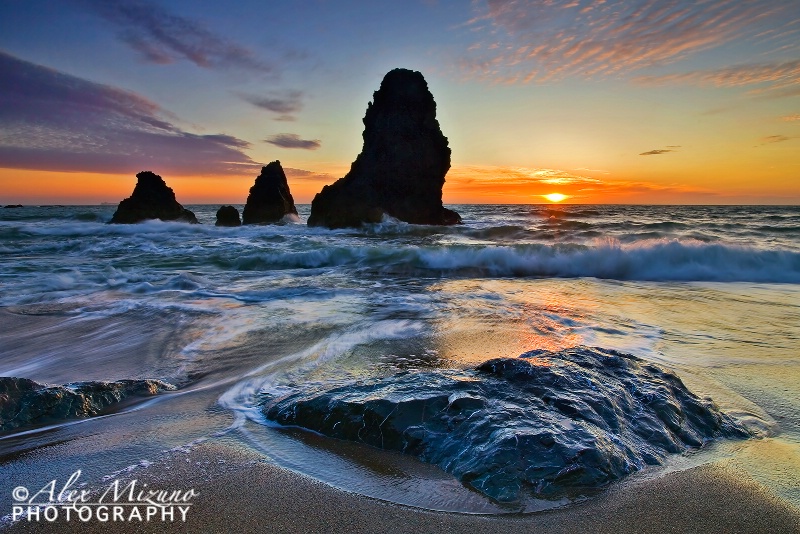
{"type": "Point", "coordinates": [240, 490]}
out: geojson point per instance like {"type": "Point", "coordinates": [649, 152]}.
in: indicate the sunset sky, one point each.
{"type": "Point", "coordinates": [605, 101]}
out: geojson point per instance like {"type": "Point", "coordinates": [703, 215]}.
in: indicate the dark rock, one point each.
{"type": "Point", "coordinates": [269, 199]}
{"type": "Point", "coordinates": [24, 402]}
{"type": "Point", "coordinates": [228, 216]}
{"type": "Point", "coordinates": [548, 424]}
{"type": "Point", "coordinates": [13, 206]}
{"type": "Point", "coordinates": [400, 171]}
{"type": "Point", "coordinates": [151, 199]}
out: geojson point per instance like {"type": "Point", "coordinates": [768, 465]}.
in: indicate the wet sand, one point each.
{"type": "Point", "coordinates": [241, 492]}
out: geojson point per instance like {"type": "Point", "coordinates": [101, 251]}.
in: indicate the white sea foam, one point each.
{"type": "Point", "coordinates": [655, 260]}
{"type": "Point", "coordinates": [241, 397]}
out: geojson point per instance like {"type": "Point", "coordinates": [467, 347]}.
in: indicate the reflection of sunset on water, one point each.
{"type": "Point", "coordinates": [545, 327]}
{"type": "Point", "coordinates": [529, 316]}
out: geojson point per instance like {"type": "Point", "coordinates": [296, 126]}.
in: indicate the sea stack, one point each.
{"type": "Point", "coordinates": [269, 198]}
{"type": "Point", "coordinates": [151, 199]}
{"type": "Point", "coordinates": [228, 216]}
{"type": "Point", "coordinates": [400, 171]}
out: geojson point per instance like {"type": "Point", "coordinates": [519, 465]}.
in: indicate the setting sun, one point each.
{"type": "Point", "coordinates": [555, 197]}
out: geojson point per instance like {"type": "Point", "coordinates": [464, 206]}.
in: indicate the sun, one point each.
{"type": "Point", "coordinates": [555, 197]}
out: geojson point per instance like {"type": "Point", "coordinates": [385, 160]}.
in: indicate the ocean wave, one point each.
{"type": "Point", "coordinates": [567, 212]}
{"type": "Point", "coordinates": [567, 224]}
{"type": "Point", "coordinates": [660, 260]}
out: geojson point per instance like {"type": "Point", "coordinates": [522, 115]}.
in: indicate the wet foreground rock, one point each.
{"type": "Point", "coordinates": [269, 199]}
{"type": "Point", "coordinates": [24, 402]}
{"type": "Point", "coordinates": [545, 424]}
{"type": "Point", "coordinates": [400, 171]}
{"type": "Point", "coordinates": [151, 199]}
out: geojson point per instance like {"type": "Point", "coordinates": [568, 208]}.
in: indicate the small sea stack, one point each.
{"type": "Point", "coordinates": [401, 169]}
{"type": "Point", "coordinates": [228, 216]}
{"type": "Point", "coordinates": [12, 206]}
{"type": "Point", "coordinates": [269, 199]}
{"type": "Point", "coordinates": [151, 199]}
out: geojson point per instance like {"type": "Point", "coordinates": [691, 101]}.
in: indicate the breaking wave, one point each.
{"type": "Point", "coordinates": [646, 261]}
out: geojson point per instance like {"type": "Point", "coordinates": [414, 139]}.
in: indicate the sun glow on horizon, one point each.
{"type": "Point", "coordinates": [555, 197]}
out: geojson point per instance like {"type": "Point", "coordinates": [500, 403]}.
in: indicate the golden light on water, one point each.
{"type": "Point", "coordinates": [555, 197]}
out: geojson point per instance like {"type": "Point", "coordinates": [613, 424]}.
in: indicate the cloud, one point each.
{"type": "Point", "coordinates": [547, 40]}
{"type": "Point", "coordinates": [586, 169]}
{"type": "Point", "coordinates": [774, 139]}
{"type": "Point", "coordinates": [519, 184]}
{"type": "Point", "coordinates": [309, 176]}
{"type": "Point", "coordinates": [781, 77]}
{"type": "Point", "coordinates": [286, 140]}
{"type": "Point", "coordinates": [656, 152]}
{"type": "Point", "coordinates": [50, 120]}
{"type": "Point", "coordinates": [284, 104]}
{"type": "Point", "coordinates": [791, 118]}
{"type": "Point", "coordinates": [162, 37]}
{"type": "Point", "coordinates": [513, 180]}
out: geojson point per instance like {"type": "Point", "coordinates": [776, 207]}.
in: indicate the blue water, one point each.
{"type": "Point", "coordinates": [710, 292]}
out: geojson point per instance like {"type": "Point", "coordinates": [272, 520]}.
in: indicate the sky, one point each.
{"type": "Point", "coordinates": [603, 101]}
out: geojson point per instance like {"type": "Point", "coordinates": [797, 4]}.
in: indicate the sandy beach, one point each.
{"type": "Point", "coordinates": [241, 492]}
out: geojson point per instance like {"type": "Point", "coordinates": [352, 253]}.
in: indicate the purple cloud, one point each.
{"type": "Point", "coordinates": [655, 152]}
{"type": "Point", "coordinates": [311, 176]}
{"type": "Point", "coordinates": [54, 121]}
{"type": "Point", "coordinates": [163, 37]}
{"type": "Point", "coordinates": [284, 104]}
{"type": "Point", "coordinates": [774, 139]}
{"type": "Point", "coordinates": [286, 140]}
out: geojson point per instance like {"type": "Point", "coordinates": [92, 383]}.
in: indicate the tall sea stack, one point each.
{"type": "Point", "coordinates": [151, 199]}
{"type": "Point", "coordinates": [400, 171]}
{"type": "Point", "coordinates": [269, 199]}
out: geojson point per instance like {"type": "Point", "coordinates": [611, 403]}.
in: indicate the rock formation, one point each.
{"type": "Point", "coordinates": [228, 216]}
{"type": "Point", "coordinates": [269, 199]}
{"type": "Point", "coordinates": [546, 423]}
{"type": "Point", "coordinates": [401, 169]}
{"type": "Point", "coordinates": [24, 402]}
{"type": "Point", "coordinates": [151, 199]}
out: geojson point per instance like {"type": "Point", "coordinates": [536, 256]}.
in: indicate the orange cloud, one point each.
{"type": "Point", "coordinates": [546, 40]}
{"type": "Point", "coordinates": [772, 76]}
{"type": "Point", "coordinates": [518, 185]}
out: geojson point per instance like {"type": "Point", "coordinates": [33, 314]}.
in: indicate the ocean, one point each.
{"type": "Point", "coordinates": [229, 315]}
